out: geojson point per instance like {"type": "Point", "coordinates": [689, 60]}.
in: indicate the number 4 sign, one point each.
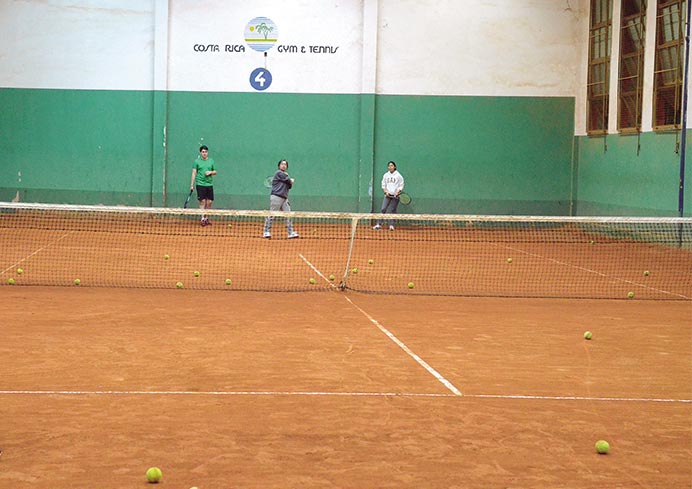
{"type": "Point", "coordinates": [260, 78]}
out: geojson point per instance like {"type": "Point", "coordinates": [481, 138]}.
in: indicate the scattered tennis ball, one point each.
{"type": "Point", "coordinates": [332, 278]}
{"type": "Point", "coordinates": [228, 281]}
{"type": "Point", "coordinates": [630, 294]}
{"type": "Point", "coordinates": [179, 285]}
{"type": "Point", "coordinates": [646, 273]}
{"type": "Point", "coordinates": [371, 261]}
{"type": "Point", "coordinates": [591, 242]}
{"type": "Point", "coordinates": [509, 260]}
{"type": "Point", "coordinates": [11, 281]}
{"type": "Point", "coordinates": [312, 280]}
{"type": "Point", "coordinates": [196, 274]}
{"type": "Point", "coordinates": [154, 475]}
{"type": "Point", "coordinates": [230, 225]}
{"type": "Point", "coordinates": [587, 335]}
{"type": "Point", "coordinates": [410, 285]}
{"type": "Point", "coordinates": [77, 281]}
{"type": "Point", "coordinates": [21, 270]}
{"type": "Point", "coordinates": [602, 447]}
{"type": "Point", "coordinates": [355, 270]}
{"type": "Point", "coordinates": [166, 257]}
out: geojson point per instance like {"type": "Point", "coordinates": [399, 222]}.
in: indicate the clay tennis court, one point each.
{"type": "Point", "coordinates": [243, 389]}
{"type": "Point", "coordinates": [222, 387]}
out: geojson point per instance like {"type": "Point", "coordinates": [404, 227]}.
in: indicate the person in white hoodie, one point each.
{"type": "Point", "coordinates": [392, 186]}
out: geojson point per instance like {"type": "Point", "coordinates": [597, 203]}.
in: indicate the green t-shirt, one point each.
{"type": "Point", "coordinates": [202, 167]}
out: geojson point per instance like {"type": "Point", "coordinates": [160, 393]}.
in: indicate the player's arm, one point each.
{"type": "Point", "coordinates": [211, 172]}
{"type": "Point", "coordinates": [400, 187]}
{"type": "Point", "coordinates": [192, 180]}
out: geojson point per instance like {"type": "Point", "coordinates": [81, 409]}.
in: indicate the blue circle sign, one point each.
{"type": "Point", "coordinates": [260, 78]}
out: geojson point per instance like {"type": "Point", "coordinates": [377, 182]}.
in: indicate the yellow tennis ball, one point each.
{"type": "Point", "coordinates": [11, 281]}
{"type": "Point", "coordinates": [166, 257]}
{"type": "Point", "coordinates": [154, 475]}
{"type": "Point", "coordinates": [77, 281]}
{"type": "Point", "coordinates": [509, 260]}
{"type": "Point", "coordinates": [602, 447]}
{"type": "Point", "coordinates": [228, 281]}
{"type": "Point", "coordinates": [196, 274]}
{"type": "Point", "coordinates": [410, 285]}
{"type": "Point", "coordinates": [371, 261]}
{"type": "Point", "coordinates": [591, 242]}
{"type": "Point", "coordinates": [630, 294]}
{"type": "Point", "coordinates": [21, 270]}
{"type": "Point", "coordinates": [646, 273]}
{"type": "Point", "coordinates": [332, 278]}
{"type": "Point", "coordinates": [179, 285]}
{"type": "Point", "coordinates": [587, 335]}
{"type": "Point", "coordinates": [355, 270]}
{"type": "Point", "coordinates": [312, 280]}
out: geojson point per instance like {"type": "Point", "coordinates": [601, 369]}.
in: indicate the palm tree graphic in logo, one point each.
{"type": "Point", "coordinates": [261, 34]}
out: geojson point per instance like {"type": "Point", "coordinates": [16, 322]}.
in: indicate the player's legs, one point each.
{"type": "Point", "coordinates": [286, 207]}
{"type": "Point", "coordinates": [275, 204]}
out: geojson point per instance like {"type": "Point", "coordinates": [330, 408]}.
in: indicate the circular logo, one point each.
{"type": "Point", "coordinates": [260, 78]}
{"type": "Point", "coordinates": [261, 34]}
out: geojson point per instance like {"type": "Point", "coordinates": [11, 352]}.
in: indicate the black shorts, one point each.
{"type": "Point", "coordinates": [205, 193]}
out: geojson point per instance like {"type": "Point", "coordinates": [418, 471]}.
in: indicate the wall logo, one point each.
{"type": "Point", "coordinates": [261, 34]}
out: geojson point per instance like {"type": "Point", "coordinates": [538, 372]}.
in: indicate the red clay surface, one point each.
{"type": "Point", "coordinates": [228, 389]}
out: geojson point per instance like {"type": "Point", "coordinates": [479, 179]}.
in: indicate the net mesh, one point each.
{"type": "Point", "coordinates": [512, 256]}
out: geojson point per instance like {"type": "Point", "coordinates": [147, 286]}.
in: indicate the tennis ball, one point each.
{"type": "Point", "coordinates": [602, 447]}
{"type": "Point", "coordinates": [11, 281]}
{"type": "Point", "coordinates": [587, 335]}
{"type": "Point", "coordinates": [77, 281]}
{"type": "Point", "coordinates": [646, 272]}
{"type": "Point", "coordinates": [332, 278]}
{"type": "Point", "coordinates": [179, 285]}
{"type": "Point", "coordinates": [410, 285]}
{"type": "Point", "coordinates": [230, 225]}
{"type": "Point", "coordinates": [355, 270]}
{"type": "Point", "coordinates": [228, 281]}
{"type": "Point", "coordinates": [591, 242]}
{"type": "Point", "coordinates": [21, 270]}
{"type": "Point", "coordinates": [166, 257]}
{"type": "Point", "coordinates": [196, 274]}
{"type": "Point", "coordinates": [630, 294]}
{"type": "Point", "coordinates": [312, 280]}
{"type": "Point", "coordinates": [509, 260]}
{"type": "Point", "coordinates": [371, 261]}
{"type": "Point", "coordinates": [154, 475]}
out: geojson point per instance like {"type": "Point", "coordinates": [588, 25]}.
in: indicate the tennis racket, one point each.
{"type": "Point", "coordinates": [268, 181]}
{"type": "Point", "coordinates": [405, 198]}
{"type": "Point", "coordinates": [187, 201]}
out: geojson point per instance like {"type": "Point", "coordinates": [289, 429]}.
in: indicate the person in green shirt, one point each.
{"type": "Point", "coordinates": [203, 172]}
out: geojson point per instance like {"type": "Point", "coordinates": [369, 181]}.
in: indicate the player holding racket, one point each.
{"type": "Point", "coordinates": [203, 171]}
{"type": "Point", "coordinates": [392, 186]}
{"type": "Point", "coordinates": [278, 200]}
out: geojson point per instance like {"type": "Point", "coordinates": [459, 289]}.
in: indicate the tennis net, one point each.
{"type": "Point", "coordinates": [506, 256]}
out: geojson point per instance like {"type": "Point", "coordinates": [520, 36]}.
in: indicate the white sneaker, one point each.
{"type": "Point", "coordinates": [376, 227]}
{"type": "Point", "coordinates": [293, 235]}
{"type": "Point", "coordinates": [267, 235]}
{"type": "Point", "coordinates": [391, 228]}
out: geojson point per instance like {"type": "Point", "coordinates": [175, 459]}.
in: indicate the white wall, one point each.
{"type": "Point", "coordinates": [420, 47]}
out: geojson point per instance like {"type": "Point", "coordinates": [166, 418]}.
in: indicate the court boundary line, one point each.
{"type": "Point", "coordinates": [35, 252]}
{"type": "Point", "coordinates": [337, 394]}
{"type": "Point", "coordinates": [595, 272]}
{"type": "Point", "coordinates": [391, 336]}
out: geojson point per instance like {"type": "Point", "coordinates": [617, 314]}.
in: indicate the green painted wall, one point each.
{"type": "Point", "coordinates": [613, 180]}
{"type": "Point", "coordinates": [480, 155]}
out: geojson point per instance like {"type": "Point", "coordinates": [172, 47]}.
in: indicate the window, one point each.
{"type": "Point", "coordinates": [670, 25]}
{"type": "Point", "coordinates": [630, 82]}
{"type": "Point", "coordinates": [600, 34]}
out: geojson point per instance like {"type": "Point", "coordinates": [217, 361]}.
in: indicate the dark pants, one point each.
{"type": "Point", "coordinates": [389, 205]}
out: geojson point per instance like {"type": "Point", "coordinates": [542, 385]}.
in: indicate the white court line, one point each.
{"type": "Point", "coordinates": [32, 254]}
{"type": "Point", "coordinates": [220, 393]}
{"type": "Point", "coordinates": [578, 398]}
{"type": "Point", "coordinates": [396, 340]}
{"type": "Point", "coordinates": [317, 271]}
{"type": "Point", "coordinates": [596, 272]}
{"type": "Point", "coordinates": [336, 394]}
